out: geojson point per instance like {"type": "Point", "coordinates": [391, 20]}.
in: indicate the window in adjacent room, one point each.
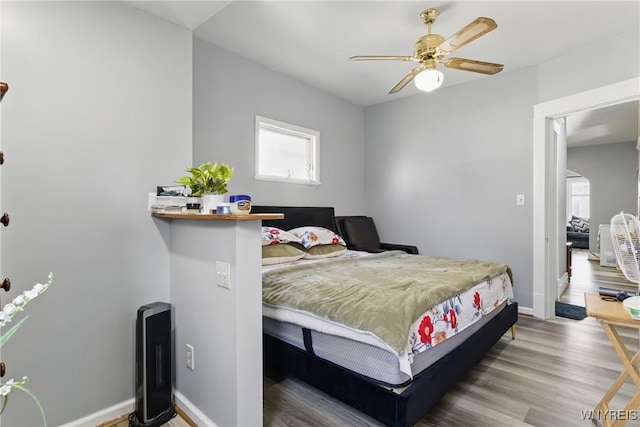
{"type": "Point", "coordinates": [286, 153]}
{"type": "Point", "coordinates": [579, 194]}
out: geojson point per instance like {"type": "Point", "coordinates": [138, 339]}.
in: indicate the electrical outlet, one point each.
{"type": "Point", "coordinates": [223, 274]}
{"type": "Point", "coordinates": [190, 357]}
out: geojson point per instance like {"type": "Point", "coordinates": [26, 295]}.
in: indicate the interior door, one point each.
{"type": "Point", "coordinates": [560, 142]}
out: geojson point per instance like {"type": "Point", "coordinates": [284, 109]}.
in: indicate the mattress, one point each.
{"type": "Point", "coordinates": [370, 361]}
{"type": "Point", "coordinates": [364, 353]}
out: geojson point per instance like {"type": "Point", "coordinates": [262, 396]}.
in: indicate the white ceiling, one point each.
{"type": "Point", "coordinates": [611, 124]}
{"type": "Point", "coordinates": [312, 40]}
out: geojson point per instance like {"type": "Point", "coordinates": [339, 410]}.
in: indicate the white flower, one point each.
{"type": "Point", "coordinates": [6, 315]}
{"type": "Point", "coordinates": [9, 309]}
{"type": "Point", "coordinates": [7, 387]}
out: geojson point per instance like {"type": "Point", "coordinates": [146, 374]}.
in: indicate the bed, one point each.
{"type": "Point", "coordinates": [361, 372]}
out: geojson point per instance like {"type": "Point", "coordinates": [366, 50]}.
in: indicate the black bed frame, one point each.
{"type": "Point", "coordinates": [393, 409]}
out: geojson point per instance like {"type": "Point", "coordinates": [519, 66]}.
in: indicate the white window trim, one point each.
{"type": "Point", "coordinates": [313, 135]}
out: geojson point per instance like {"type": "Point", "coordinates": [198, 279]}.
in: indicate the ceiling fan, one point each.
{"type": "Point", "coordinates": [432, 48]}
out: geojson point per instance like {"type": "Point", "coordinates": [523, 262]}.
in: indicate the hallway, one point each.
{"type": "Point", "coordinates": [587, 275]}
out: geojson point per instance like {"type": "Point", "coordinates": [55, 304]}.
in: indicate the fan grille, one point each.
{"type": "Point", "coordinates": [625, 235]}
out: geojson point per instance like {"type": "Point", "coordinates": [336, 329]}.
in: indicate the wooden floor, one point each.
{"type": "Point", "coordinates": [548, 376]}
{"type": "Point", "coordinates": [589, 276]}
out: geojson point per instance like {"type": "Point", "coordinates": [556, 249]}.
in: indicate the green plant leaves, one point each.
{"type": "Point", "coordinates": [207, 178]}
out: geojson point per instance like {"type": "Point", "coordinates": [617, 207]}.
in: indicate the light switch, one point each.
{"type": "Point", "coordinates": [223, 271]}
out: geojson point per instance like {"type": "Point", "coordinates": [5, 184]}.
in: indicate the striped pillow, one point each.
{"type": "Point", "coordinates": [580, 225]}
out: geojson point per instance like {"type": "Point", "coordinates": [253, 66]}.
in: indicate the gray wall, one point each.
{"type": "Point", "coordinates": [229, 91]}
{"type": "Point", "coordinates": [224, 326]}
{"type": "Point", "coordinates": [612, 172]}
{"type": "Point", "coordinates": [98, 113]}
{"type": "Point", "coordinates": [451, 187]}
{"type": "Point", "coordinates": [457, 158]}
{"type": "Point", "coordinates": [579, 70]}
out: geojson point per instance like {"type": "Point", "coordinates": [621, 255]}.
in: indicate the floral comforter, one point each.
{"type": "Point", "coordinates": [409, 303]}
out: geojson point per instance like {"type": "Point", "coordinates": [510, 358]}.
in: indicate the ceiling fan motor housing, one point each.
{"type": "Point", "coordinates": [427, 46]}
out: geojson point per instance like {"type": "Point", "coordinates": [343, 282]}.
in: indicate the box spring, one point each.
{"type": "Point", "coordinates": [398, 408]}
{"type": "Point", "coordinates": [370, 361]}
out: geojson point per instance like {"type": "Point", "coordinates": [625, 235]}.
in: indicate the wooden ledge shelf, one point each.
{"type": "Point", "coordinates": [248, 217]}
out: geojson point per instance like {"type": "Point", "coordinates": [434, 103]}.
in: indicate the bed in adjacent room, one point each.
{"type": "Point", "coordinates": [386, 333]}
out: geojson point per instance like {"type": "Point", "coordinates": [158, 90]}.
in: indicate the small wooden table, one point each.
{"type": "Point", "coordinates": [611, 314]}
{"type": "Point", "coordinates": [569, 247]}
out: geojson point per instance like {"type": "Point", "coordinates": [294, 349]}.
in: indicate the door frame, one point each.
{"type": "Point", "coordinates": [545, 220]}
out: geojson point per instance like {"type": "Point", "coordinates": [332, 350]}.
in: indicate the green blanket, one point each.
{"type": "Point", "coordinates": [382, 293]}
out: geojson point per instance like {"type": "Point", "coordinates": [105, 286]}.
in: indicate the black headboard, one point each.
{"type": "Point", "coordinates": [298, 216]}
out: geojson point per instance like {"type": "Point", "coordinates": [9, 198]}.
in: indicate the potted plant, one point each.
{"type": "Point", "coordinates": [208, 181]}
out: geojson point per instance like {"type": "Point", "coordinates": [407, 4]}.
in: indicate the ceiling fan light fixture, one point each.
{"type": "Point", "coordinates": [429, 80]}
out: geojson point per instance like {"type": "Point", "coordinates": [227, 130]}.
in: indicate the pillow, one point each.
{"type": "Point", "coordinates": [580, 225]}
{"type": "Point", "coordinates": [278, 254]}
{"type": "Point", "coordinates": [324, 251]}
{"type": "Point", "coordinates": [274, 236]}
{"type": "Point", "coordinates": [311, 236]}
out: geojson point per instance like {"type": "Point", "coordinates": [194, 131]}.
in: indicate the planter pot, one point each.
{"type": "Point", "coordinates": [210, 202]}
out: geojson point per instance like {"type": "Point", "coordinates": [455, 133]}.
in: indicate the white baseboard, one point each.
{"type": "Point", "coordinates": [107, 414]}
{"type": "Point", "coordinates": [528, 311]}
{"type": "Point", "coordinates": [128, 406]}
{"type": "Point", "coordinates": [192, 411]}
{"type": "Point", "coordinates": [563, 284]}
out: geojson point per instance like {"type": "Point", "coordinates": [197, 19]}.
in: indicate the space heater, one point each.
{"type": "Point", "coordinates": [154, 379]}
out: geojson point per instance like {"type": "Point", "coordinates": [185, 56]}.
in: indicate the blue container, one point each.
{"type": "Point", "coordinates": [240, 204]}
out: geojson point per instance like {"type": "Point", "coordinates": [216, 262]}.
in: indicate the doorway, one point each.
{"type": "Point", "coordinates": [545, 216]}
{"type": "Point", "coordinates": [575, 211]}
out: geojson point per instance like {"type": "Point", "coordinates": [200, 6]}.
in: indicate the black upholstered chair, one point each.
{"type": "Point", "coordinates": [360, 233]}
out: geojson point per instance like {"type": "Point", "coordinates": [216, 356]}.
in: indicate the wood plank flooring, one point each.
{"type": "Point", "coordinates": [551, 372]}
{"type": "Point", "coordinates": [180, 420]}
{"type": "Point", "coordinates": [589, 276]}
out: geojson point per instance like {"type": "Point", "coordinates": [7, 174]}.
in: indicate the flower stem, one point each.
{"type": "Point", "coordinates": [35, 399]}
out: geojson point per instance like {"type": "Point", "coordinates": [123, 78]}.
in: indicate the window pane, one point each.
{"type": "Point", "coordinates": [283, 155]}
{"type": "Point", "coordinates": [285, 152]}
{"type": "Point", "coordinates": [580, 206]}
{"type": "Point", "coordinates": [580, 188]}
{"type": "Point", "coordinates": [580, 197]}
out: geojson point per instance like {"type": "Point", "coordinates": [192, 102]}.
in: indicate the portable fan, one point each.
{"type": "Point", "coordinates": [625, 235]}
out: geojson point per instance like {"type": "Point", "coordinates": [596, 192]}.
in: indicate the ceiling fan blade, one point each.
{"type": "Point", "coordinates": [477, 28]}
{"type": "Point", "coordinates": [405, 80]}
{"type": "Point", "coordinates": [473, 65]}
{"type": "Point", "coordinates": [381, 58]}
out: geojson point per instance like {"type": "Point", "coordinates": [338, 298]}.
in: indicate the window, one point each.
{"type": "Point", "coordinates": [286, 153]}
{"type": "Point", "coordinates": [579, 192]}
